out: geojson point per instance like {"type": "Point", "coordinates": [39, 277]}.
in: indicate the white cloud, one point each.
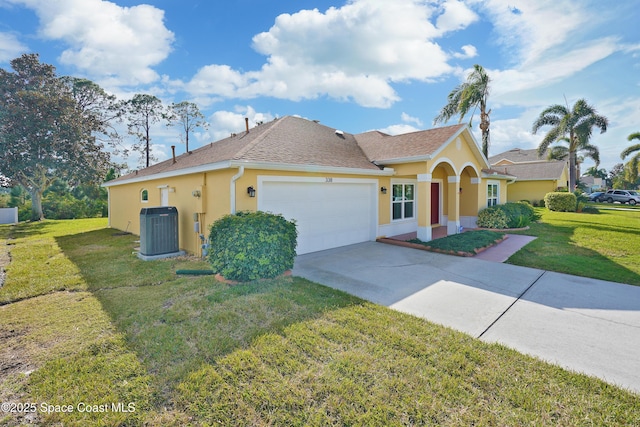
{"type": "Point", "coordinates": [10, 47]}
{"type": "Point", "coordinates": [223, 123]}
{"type": "Point", "coordinates": [551, 69]}
{"type": "Point", "coordinates": [409, 119]}
{"type": "Point", "coordinates": [533, 28]}
{"type": "Point", "coordinates": [468, 51]}
{"type": "Point", "coordinates": [456, 16]}
{"type": "Point", "coordinates": [543, 54]}
{"type": "Point", "coordinates": [352, 53]}
{"type": "Point", "coordinates": [398, 129]}
{"type": "Point", "coordinates": [106, 40]}
{"type": "Point", "coordinates": [405, 127]}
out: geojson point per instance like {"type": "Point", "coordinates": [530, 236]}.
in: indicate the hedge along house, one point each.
{"type": "Point", "coordinates": [340, 188]}
{"type": "Point", "coordinates": [534, 176]}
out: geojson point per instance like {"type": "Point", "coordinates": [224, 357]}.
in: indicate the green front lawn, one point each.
{"type": "Point", "coordinates": [602, 246]}
{"type": "Point", "coordinates": [192, 351]}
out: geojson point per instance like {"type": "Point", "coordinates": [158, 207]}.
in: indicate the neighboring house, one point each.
{"type": "Point", "coordinates": [340, 188]}
{"type": "Point", "coordinates": [592, 183]}
{"type": "Point", "coordinates": [534, 176]}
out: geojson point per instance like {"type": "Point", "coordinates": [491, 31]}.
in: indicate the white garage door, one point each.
{"type": "Point", "coordinates": [328, 214]}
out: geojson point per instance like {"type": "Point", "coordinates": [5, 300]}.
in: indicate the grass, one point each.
{"type": "Point", "coordinates": [192, 351]}
{"type": "Point", "coordinates": [467, 243]}
{"type": "Point", "coordinates": [602, 246]}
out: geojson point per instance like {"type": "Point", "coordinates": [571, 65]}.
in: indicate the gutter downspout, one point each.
{"type": "Point", "coordinates": [108, 207]}
{"type": "Point", "coordinates": [232, 188]}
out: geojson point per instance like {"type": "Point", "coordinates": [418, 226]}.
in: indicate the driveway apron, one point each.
{"type": "Point", "coordinates": [586, 325]}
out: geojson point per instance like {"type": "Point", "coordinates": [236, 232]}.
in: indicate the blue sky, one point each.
{"type": "Point", "coordinates": [354, 65]}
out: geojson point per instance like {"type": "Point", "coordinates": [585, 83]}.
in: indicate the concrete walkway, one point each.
{"type": "Point", "coordinates": [502, 251]}
{"type": "Point", "coordinates": [586, 325]}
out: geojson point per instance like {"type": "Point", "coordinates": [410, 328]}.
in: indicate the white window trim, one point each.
{"type": "Point", "coordinates": [497, 184]}
{"type": "Point", "coordinates": [413, 182]}
{"type": "Point", "coordinates": [141, 199]}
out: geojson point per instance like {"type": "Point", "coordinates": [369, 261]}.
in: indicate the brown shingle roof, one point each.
{"type": "Point", "coordinates": [289, 140]}
{"type": "Point", "coordinates": [296, 141]}
{"type": "Point", "coordinates": [517, 155]}
{"type": "Point", "coordinates": [380, 147]}
{"type": "Point", "coordinates": [550, 170]}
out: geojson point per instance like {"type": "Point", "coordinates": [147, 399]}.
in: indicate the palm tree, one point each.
{"type": "Point", "coordinates": [560, 152]}
{"type": "Point", "coordinates": [577, 124]}
{"type": "Point", "coordinates": [472, 93]}
{"type": "Point", "coordinates": [596, 173]}
{"type": "Point", "coordinates": [632, 164]}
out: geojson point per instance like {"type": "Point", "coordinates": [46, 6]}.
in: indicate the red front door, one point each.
{"type": "Point", "coordinates": [435, 203]}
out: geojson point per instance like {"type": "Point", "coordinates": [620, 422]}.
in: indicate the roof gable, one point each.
{"type": "Point", "coordinates": [381, 148]}
{"type": "Point", "coordinates": [516, 155]}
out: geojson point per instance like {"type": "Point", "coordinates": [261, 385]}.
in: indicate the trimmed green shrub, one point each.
{"type": "Point", "coordinates": [492, 217]}
{"type": "Point", "coordinates": [252, 245]}
{"type": "Point", "coordinates": [509, 215]}
{"type": "Point", "coordinates": [519, 214]}
{"type": "Point", "coordinates": [561, 202]}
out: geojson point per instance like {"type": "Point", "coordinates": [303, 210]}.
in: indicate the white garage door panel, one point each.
{"type": "Point", "coordinates": [328, 215]}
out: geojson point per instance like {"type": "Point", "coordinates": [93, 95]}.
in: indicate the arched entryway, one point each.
{"type": "Point", "coordinates": [469, 196]}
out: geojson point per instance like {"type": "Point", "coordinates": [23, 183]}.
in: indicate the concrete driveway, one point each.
{"type": "Point", "coordinates": [585, 325]}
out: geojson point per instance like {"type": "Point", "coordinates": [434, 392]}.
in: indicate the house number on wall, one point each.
{"type": "Point", "coordinates": [328, 180]}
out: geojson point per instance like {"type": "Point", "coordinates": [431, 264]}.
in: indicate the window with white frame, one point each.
{"type": "Point", "coordinates": [403, 201]}
{"type": "Point", "coordinates": [493, 191]}
{"type": "Point", "coordinates": [144, 196]}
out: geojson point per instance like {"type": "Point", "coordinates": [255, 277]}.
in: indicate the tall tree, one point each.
{"type": "Point", "coordinates": [186, 115]}
{"type": "Point", "coordinates": [596, 173]}
{"type": "Point", "coordinates": [142, 111]}
{"type": "Point", "coordinates": [560, 152]}
{"type": "Point", "coordinates": [473, 93]}
{"type": "Point", "coordinates": [635, 159]}
{"type": "Point", "coordinates": [100, 110]}
{"type": "Point", "coordinates": [574, 125]}
{"type": "Point", "coordinates": [44, 134]}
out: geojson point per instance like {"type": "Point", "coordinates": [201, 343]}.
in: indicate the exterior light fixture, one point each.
{"type": "Point", "coordinates": [383, 190]}
{"type": "Point", "coordinates": [196, 193]}
{"type": "Point", "coordinates": [251, 192]}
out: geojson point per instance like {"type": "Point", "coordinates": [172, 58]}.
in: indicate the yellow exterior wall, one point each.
{"type": "Point", "coordinates": [469, 194]}
{"type": "Point", "coordinates": [384, 201]}
{"type": "Point", "coordinates": [126, 204]}
{"type": "Point", "coordinates": [213, 203]}
{"type": "Point", "coordinates": [406, 170]}
{"type": "Point", "coordinates": [458, 152]}
{"type": "Point", "coordinates": [530, 190]}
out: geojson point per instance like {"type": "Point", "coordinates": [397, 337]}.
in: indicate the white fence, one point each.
{"type": "Point", "coordinates": [8, 215]}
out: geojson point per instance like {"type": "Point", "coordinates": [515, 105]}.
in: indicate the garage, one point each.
{"type": "Point", "coordinates": [329, 212]}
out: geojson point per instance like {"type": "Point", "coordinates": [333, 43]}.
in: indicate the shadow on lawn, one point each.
{"type": "Point", "coordinates": [554, 250]}
{"type": "Point", "coordinates": [177, 323]}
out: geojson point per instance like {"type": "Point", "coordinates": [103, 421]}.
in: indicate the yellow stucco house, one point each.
{"type": "Point", "coordinates": [534, 176]}
{"type": "Point", "coordinates": [339, 187]}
